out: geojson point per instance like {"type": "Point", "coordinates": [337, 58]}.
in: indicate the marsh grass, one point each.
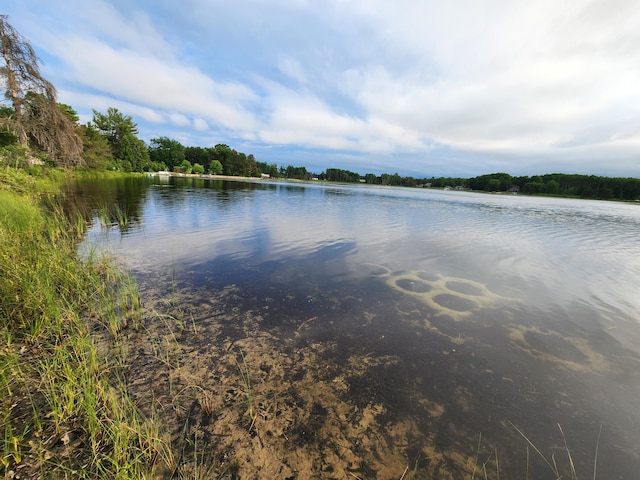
{"type": "Point", "coordinates": [413, 474]}
{"type": "Point", "coordinates": [245, 379]}
{"type": "Point", "coordinates": [559, 463]}
{"type": "Point", "coordinates": [553, 461]}
{"type": "Point", "coordinates": [64, 403]}
{"type": "Point", "coordinates": [482, 466]}
{"type": "Point", "coordinates": [112, 215]}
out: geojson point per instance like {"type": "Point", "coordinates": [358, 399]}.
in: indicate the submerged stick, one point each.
{"type": "Point", "coordinates": [308, 320]}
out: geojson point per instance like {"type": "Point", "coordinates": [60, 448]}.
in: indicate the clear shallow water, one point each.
{"type": "Point", "coordinates": [502, 309]}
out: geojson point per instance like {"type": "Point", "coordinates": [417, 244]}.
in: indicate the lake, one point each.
{"type": "Point", "coordinates": [312, 330]}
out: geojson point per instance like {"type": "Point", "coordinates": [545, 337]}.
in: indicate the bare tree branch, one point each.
{"type": "Point", "coordinates": [37, 120]}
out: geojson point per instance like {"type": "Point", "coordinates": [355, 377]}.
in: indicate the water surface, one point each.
{"type": "Point", "coordinates": [388, 326]}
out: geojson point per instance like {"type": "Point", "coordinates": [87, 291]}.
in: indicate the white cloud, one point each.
{"type": "Point", "coordinates": [449, 82]}
{"type": "Point", "coordinates": [150, 81]}
{"type": "Point", "coordinates": [102, 102]}
{"type": "Point", "coordinates": [292, 68]}
{"type": "Point", "coordinates": [200, 125]}
{"type": "Point", "coordinates": [179, 119]}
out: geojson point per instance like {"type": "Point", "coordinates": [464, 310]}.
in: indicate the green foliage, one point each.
{"type": "Point", "coordinates": [395, 179]}
{"type": "Point", "coordinates": [14, 155]}
{"type": "Point", "coordinates": [6, 135]}
{"type": "Point", "coordinates": [167, 151]}
{"type": "Point", "coordinates": [134, 155]}
{"type": "Point", "coordinates": [215, 168]}
{"type": "Point", "coordinates": [560, 184]}
{"type": "Point", "coordinates": [185, 166]}
{"type": "Point", "coordinates": [56, 387]}
{"type": "Point", "coordinates": [69, 111]}
{"type": "Point", "coordinates": [115, 126]}
{"type": "Point", "coordinates": [198, 155]}
{"type": "Point", "coordinates": [96, 150]}
{"type": "Point", "coordinates": [371, 178]}
{"type": "Point", "coordinates": [197, 168]}
{"type": "Point", "coordinates": [222, 159]}
{"type": "Point", "coordinates": [223, 153]}
{"type": "Point", "coordinates": [299, 173]}
{"type": "Point", "coordinates": [494, 182]}
{"type": "Point", "coordinates": [269, 169]}
{"type": "Point", "coordinates": [339, 175]}
{"type": "Point", "coordinates": [128, 151]}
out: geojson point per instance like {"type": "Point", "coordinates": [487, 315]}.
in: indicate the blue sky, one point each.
{"type": "Point", "coordinates": [453, 88]}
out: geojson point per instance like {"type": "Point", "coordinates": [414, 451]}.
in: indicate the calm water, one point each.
{"type": "Point", "coordinates": [498, 311]}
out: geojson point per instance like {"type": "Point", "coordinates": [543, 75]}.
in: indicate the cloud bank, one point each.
{"type": "Point", "coordinates": [424, 88]}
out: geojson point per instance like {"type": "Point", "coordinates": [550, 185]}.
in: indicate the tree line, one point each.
{"type": "Point", "coordinates": [556, 184]}
{"type": "Point", "coordinates": [561, 184]}
{"type": "Point", "coordinates": [35, 128]}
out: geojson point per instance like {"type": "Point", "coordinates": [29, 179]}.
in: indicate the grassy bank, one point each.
{"type": "Point", "coordinates": [64, 407]}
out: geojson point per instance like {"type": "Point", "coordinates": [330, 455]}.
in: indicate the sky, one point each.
{"type": "Point", "coordinates": [418, 87]}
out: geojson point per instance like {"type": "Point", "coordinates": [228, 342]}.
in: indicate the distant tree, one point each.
{"type": "Point", "coordinates": [37, 120]}
{"type": "Point", "coordinates": [96, 150]}
{"type": "Point", "coordinates": [395, 179]}
{"type": "Point", "coordinates": [371, 178]}
{"type": "Point", "coordinates": [252, 166]}
{"type": "Point", "coordinates": [168, 151]}
{"type": "Point", "coordinates": [215, 167]}
{"type": "Point", "coordinates": [198, 155]}
{"type": "Point", "coordinates": [269, 169]}
{"type": "Point", "coordinates": [70, 112]}
{"type": "Point", "coordinates": [115, 127]}
{"type": "Point", "coordinates": [197, 168]}
{"type": "Point", "coordinates": [299, 173]}
{"type": "Point", "coordinates": [223, 154]}
{"type": "Point", "coordinates": [408, 182]}
{"type": "Point", "coordinates": [552, 186]}
{"type": "Point", "coordinates": [185, 166]}
{"type": "Point", "coordinates": [493, 185]}
{"type": "Point", "coordinates": [534, 187]}
{"type": "Point", "coordinates": [134, 155]}
{"type": "Point", "coordinates": [340, 175]}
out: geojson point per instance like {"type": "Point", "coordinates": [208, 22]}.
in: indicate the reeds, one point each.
{"type": "Point", "coordinates": [245, 379]}
{"type": "Point", "coordinates": [114, 215]}
{"type": "Point", "coordinates": [553, 463]}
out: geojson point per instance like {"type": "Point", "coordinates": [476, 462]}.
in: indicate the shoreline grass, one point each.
{"type": "Point", "coordinates": [64, 405]}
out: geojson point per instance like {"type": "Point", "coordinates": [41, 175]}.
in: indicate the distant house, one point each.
{"type": "Point", "coordinates": [514, 189]}
{"type": "Point", "coordinates": [265, 175]}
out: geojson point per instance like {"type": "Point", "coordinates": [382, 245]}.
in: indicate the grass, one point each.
{"type": "Point", "coordinates": [114, 215]}
{"type": "Point", "coordinates": [64, 404]}
{"type": "Point", "coordinates": [483, 467]}
{"type": "Point", "coordinates": [413, 474]}
{"type": "Point", "coordinates": [245, 378]}
{"type": "Point", "coordinates": [558, 467]}
{"type": "Point", "coordinates": [553, 463]}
